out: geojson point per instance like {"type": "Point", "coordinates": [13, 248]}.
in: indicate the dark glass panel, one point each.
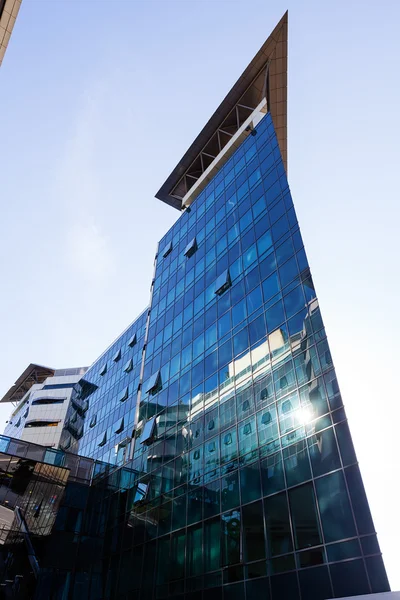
{"type": "Point", "coordinates": [194, 558]}
{"type": "Point", "coordinates": [278, 525]}
{"type": "Point", "coordinates": [212, 541]}
{"type": "Point", "coordinates": [311, 558]}
{"type": "Point", "coordinates": [349, 579]}
{"type": "Point", "coordinates": [345, 444]}
{"type": "Point", "coordinates": [377, 574]}
{"type": "Point", "coordinates": [233, 574]}
{"type": "Point", "coordinates": [230, 491]}
{"type": "Point", "coordinates": [253, 532]}
{"type": "Point", "coordinates": [234, 591]}
{"type": "Point", "coordinates": [283, 564]}
{"type": "Point", "coordinates": [258, 589]}
{"type": "Point", "coordinates": [359, 501]}
{"type": "Point", "coordinates": [231, 542]}
{"type": "Point", "coordinates": [297, 464]}
{"type": "Point", "coordinates": [272, 474]}
{"type": "Point", "coordinates": [370, 545]}
{"type": "Point", "coordinates": [334, 507]}
{"type": "Point", "coordinates": [323, 452]}
{"type": "Point", "coordinates": [343, 550]}
{"type": "Point", "coordinates": [250, 484]}
{"type": "Point", "coordinates": [303, 508]}
{"type": "Point", "coordinates": [256, 569]}
{"type": "Point", "coordinates": [315, 584]}
{"type": "Point", "coordinates": [212, 498]}
{"type": "Point", "coordinates": [285, 586]}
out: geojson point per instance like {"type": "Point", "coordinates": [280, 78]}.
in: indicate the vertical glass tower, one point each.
{"type": "Point", "coordinates": [220, 403]}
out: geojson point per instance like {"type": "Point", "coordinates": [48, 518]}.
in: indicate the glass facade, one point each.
{"type": "Point", "coordinates": [221, 402]}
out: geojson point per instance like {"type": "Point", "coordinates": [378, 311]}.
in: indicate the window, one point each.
{"type": "Point", "coordinates": [167, 249]}
{"type": "Point", "coordinates": [25, 413]}
{"type": "Point", "coordinates": [124, 394]}
{"type": "Point", "coordinates": [49, 400]}
{"type": "Point", "coordinates": [283, 382]}
{"type": "Point", "coordinates": [117, 355]}
{"type": "Point", "coordinates": [228, 439]}
{"type": "Point", "coordinates": [223, 282]}
{"type": "Point", "coordinates": [148, 432]}
{"type": "Point", "coordinates": [211, 425]}
{"type": "Point", "coordinates": [67, 443]}
{"type": "Point", "coordinates": [245, 405]}
{"type": "Point", "coordinates": [18, 423]}
{"type": "Point", "coordinates": [141, 492]}
{"type": "Point", "coordinates": [93, 421]}
{"type": "Point", "coordinates": [266, 418]}
{"type": "Point", "coordinates": [196, 454]}
{"type": "Point", "coordinates": [132, 340]}
{"type": "Point", "coordinates": [264, 394]}
{"type": "Point", "coordinates": [154, 383]}
{"type": "Point", "coordinates": [120, 426]}
{"type": "Point", "coordinates": [191, 248]}
{"type": "Point", "coordinates": [129, 366]}
{"type": "Point", "coordinates": [247, 429]}
{"type": "Point", "coordinates": [42, 423]}
{"type": "Point", "coordinates": [286, 406]}
{"type": "Point", "coordinates": [103, 369]}
{"type": "Point", "coordinates": [104, 440]}
{"type": "Point", "coordinates": [211, 447]}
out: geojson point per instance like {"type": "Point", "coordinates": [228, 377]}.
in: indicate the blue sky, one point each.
{"type": "Point", "coordinates": [99, 100]}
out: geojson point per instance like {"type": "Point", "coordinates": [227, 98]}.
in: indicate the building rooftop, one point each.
{"type": "Point", "coordinates": [32, 374]}
{"type": "Point", "coordinates": [264, 78]}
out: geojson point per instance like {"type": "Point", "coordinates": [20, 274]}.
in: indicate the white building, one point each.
{"type": "Point", "coordinates": [41, 397]}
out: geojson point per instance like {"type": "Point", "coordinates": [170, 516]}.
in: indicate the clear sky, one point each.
{"type": "Point", "coordinates": [100, 99]}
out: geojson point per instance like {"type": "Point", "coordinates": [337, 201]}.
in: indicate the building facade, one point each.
{"type": "Point", "coordinates": [221, 398]}
{"type": "Point", "coordinates": [42, 397]}
{"type": "Point", "coordinates": [8, 13]}
{"type": "Point", "coordinates": [224, 465]}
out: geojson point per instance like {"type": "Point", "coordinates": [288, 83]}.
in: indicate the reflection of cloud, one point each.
{"type": "Point", "coordinates": [88, 251]}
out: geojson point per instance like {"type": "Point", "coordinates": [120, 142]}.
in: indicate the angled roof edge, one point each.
{"type": "Point", "coordinates": [32, 374]}
{"type": "Point", "coordinates": [265, 76]}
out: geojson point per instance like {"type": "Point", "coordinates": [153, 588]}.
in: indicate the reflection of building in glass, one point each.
{"type": "Point", "coordinates": [224, 466]}
{"type": "Point", "coordinates": [43, 397]}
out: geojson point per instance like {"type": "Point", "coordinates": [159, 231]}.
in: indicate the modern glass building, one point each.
{"type": "Point", "coordinates": [231, 470]}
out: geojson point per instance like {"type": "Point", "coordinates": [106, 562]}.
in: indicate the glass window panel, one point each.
{"type": "Point", "coordinates": [345, 444]}
{"type": "Point", "coordinates": [377, 574]}
{"type": "Point", "coordinates": [211, 494]}
{"type": "Point", "coordinates": [297, 464]}
{"type": "Point", "coordinates": [194, 555]}
{"type": "Point", "coordinates": [343, 550]}
{"type": "Point", "coordinates": [230, 491]}
{"type": "Point", "coordinates": [212, 541]}
{"type": "Point", "coordinates": [349, 578]}
{"type": "Point", "coordinates": [315, 584]}
{"type": "Point", "coordinates": [359, 501]}
{"type": "Point", "coordinates": [323, 452]}
{"type": "Point", "coordinates": [250, 483]}
{"type": "Point", "coordinates": [285, 586]}
{"type": "Point", "coordinates": [334, 507]}
{"type": "Point", "coordinates": [272, 474]}
{"type": "Point", "coordinates": [231, 537]}
{"type": "Point", "coordinates": [306, 527]}
{"type": "Point", "coordinates": [278, 525]}
{"type": "Point", "coordinates": [253, 532]}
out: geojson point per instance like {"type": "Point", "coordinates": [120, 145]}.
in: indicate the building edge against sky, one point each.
{"type": "Point", "coordinates": [41, 398]}
{"type": "Point", "coordinates": [220, 401]}
{"type": "Point", "coordinates": [8, 13]}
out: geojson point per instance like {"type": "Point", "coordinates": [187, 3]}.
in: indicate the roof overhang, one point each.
{"type": "Point", "coordinates": [32, 374]}
{"type": "Point", "coordinates": [264, 78]}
